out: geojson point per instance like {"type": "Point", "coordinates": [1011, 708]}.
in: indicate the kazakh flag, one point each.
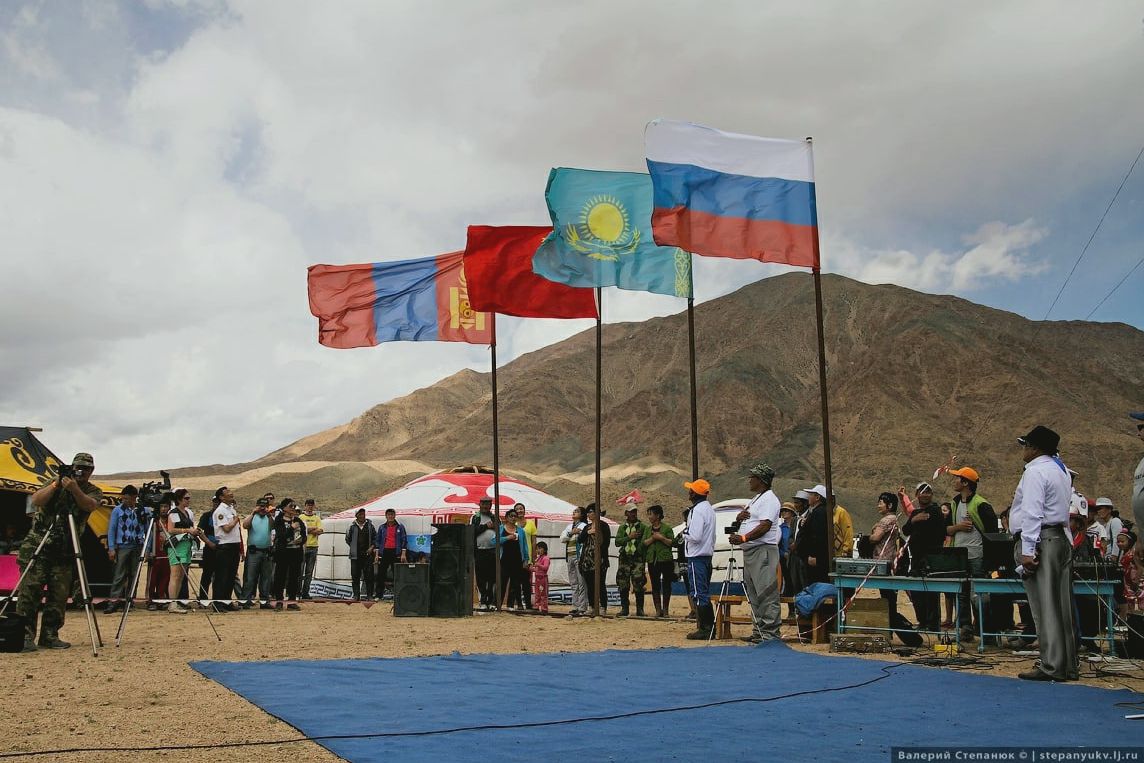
{"type": "Point", "coordinates": [601, 235]}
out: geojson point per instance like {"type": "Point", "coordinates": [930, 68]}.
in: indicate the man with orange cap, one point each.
{"type": "Point", "coordinates": [971, 517]}
{"type": "Point", "coordinates": [699, 548]}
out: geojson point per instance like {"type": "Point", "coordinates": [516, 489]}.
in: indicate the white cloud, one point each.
{"type": "Point", "coordinates": [996, 252]}
{"type": "Point", "coordinates": [171, 168]}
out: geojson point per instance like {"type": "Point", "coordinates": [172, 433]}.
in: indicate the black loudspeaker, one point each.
{"type": "Point", "coordinates": [11, 632]}
{"type": "Point", "coordinates": [950, 562]}
{"type": "Point", "coordinates": [1134, 647]}
{"type": "Point", "coordinates": [411, 590]}
{"type": "Point", "coordinates": [450, 570]}
{"type": "Point", "coordinates": [998, 552]}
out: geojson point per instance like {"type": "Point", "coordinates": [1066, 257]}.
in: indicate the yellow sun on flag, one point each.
{"type": "Point", "coordinates": [605, 218]}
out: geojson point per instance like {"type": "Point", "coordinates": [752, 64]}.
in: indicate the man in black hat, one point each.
{"type": "Point", "coordinates": [1038, 520]}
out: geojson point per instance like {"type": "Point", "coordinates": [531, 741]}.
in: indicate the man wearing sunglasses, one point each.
{"type": "Point", "coordinates": [55, 565]}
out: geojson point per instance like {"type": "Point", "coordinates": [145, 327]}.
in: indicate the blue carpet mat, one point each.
{"type": "Point", "coordinates": [817, 707]}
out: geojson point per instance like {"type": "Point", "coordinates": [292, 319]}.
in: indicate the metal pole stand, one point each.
{"type": "Point", "coordinates": [85, 589]}
{"type": "Point", "coordinates": [192, 584]}
{"type": "Point", "coordinates": [148, 539]}
{"type": "Point", "coordinates": [732, 566]}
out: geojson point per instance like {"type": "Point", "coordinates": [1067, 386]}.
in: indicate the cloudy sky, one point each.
{"type": "Point", "coordinates": [169, 169]}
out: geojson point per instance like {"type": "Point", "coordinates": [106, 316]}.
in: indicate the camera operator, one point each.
{"type": "Point", "coordinates": [227, 550]}
{"type": "Point", "coordinates": [758, 535]}
{"type": "Point", "coordinates": [125, 535]}
{"type": "Point", "coordinates": [71, 494]}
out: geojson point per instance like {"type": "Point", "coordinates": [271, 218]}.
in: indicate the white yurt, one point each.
{"type": "Point", "coordinates": [450, 495]}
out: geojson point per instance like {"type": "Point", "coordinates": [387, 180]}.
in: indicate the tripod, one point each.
{"type": "Point", "coordinates": [733, 566]}
{"type": "Point", "coordinates": [192, 585]}
{"type": "Point", "coordinates": [81, 573]}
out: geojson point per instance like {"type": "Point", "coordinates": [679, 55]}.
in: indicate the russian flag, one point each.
{"type": "Point", "coordinates": [722, 194]}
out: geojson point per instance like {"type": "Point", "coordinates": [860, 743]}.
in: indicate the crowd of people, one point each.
{"type": "Point", "coordinates": [523, 561]}
{"type": "Point", "coordinates": [277, 555]}
{"type": "Point", "coordinates": [1048, 522]}
{"type": "Point", "coordinates": [787, 547]}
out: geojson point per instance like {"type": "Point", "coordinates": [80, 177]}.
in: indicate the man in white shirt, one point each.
{"type": "Point", "coordinates": [1038, 520]}
{"type": "Point", "coordinates": [227, 549]}
{"type": "Point", "coordinates": [758, 536]}
{"type": "Point", "coordinates": [699, 547]}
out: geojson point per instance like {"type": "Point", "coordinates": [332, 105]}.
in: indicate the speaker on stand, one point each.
{"type": "Point", "coordinates": [411, 590]}
{"type": "Point", "coordinates": [451, 570]}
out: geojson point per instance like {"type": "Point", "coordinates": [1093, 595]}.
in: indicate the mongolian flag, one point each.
{"type": "Point", "coordinates": [423, 300]}
{"type": "Point", "coordinates": [498, 263]}
{"type": "Point", "coordinates": [721, 194]}
{"type": "Point", "coordinates": [602, 235]}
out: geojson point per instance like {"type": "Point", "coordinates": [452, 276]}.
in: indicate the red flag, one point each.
{"type": "Point", "coordinates": [498, 268]}
{"type": "Point", "coordinates": [633, 498]}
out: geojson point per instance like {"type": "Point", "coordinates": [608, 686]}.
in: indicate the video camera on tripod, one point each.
{"type": "Point", "coordinates": [151, 493]}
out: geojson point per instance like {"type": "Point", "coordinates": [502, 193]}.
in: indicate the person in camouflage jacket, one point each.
{"type": "Point", "coordinates": [631, 572]}
{"type": "Point", "coordinates": [54, 567]}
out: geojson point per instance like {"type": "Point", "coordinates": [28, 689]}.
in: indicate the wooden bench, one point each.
{"type": "Point", "coordinates": [723, 617]}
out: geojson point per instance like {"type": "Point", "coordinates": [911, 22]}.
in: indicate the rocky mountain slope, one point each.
{"type": "Point", "coordinates": [915, 380]}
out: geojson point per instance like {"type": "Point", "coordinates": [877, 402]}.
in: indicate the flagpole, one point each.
{"type": "Point", "coordinates": [599, 439]}
{"type": "Point", "coordinates": [694, 403]}
{"type": "Point", "coordinates": [825, 417]}
{"type": "Point", "coordinates": [827, 477]}
{"type": "Point", "coordinates": [496, 467]}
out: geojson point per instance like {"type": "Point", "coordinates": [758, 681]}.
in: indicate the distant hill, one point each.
{"type": "Point", "coordinates": [913, 380]}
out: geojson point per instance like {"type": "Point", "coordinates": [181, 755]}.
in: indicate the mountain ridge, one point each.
{"type": "Point", "coordinates": [914, 380]}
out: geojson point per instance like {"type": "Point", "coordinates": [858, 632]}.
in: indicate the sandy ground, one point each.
{"type": "Point", "coordinates": [144, 693]}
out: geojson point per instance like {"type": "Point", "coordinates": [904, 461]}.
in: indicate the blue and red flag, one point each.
{"type": "Point", "coordinates": [424, 300]}
{"type": "Point", "coordinates": [722, 194]}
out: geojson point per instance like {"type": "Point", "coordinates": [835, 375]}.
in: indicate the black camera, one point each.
{"type": "Point", "coordinates": [65, 470]}
{"type": "Point", "coordinates": [151, 493]}
{"type": "Point", "coordinates": [733, 528]}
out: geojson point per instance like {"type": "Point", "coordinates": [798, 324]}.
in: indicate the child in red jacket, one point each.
{"type": "Point", "coordinates": [540, 577]}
